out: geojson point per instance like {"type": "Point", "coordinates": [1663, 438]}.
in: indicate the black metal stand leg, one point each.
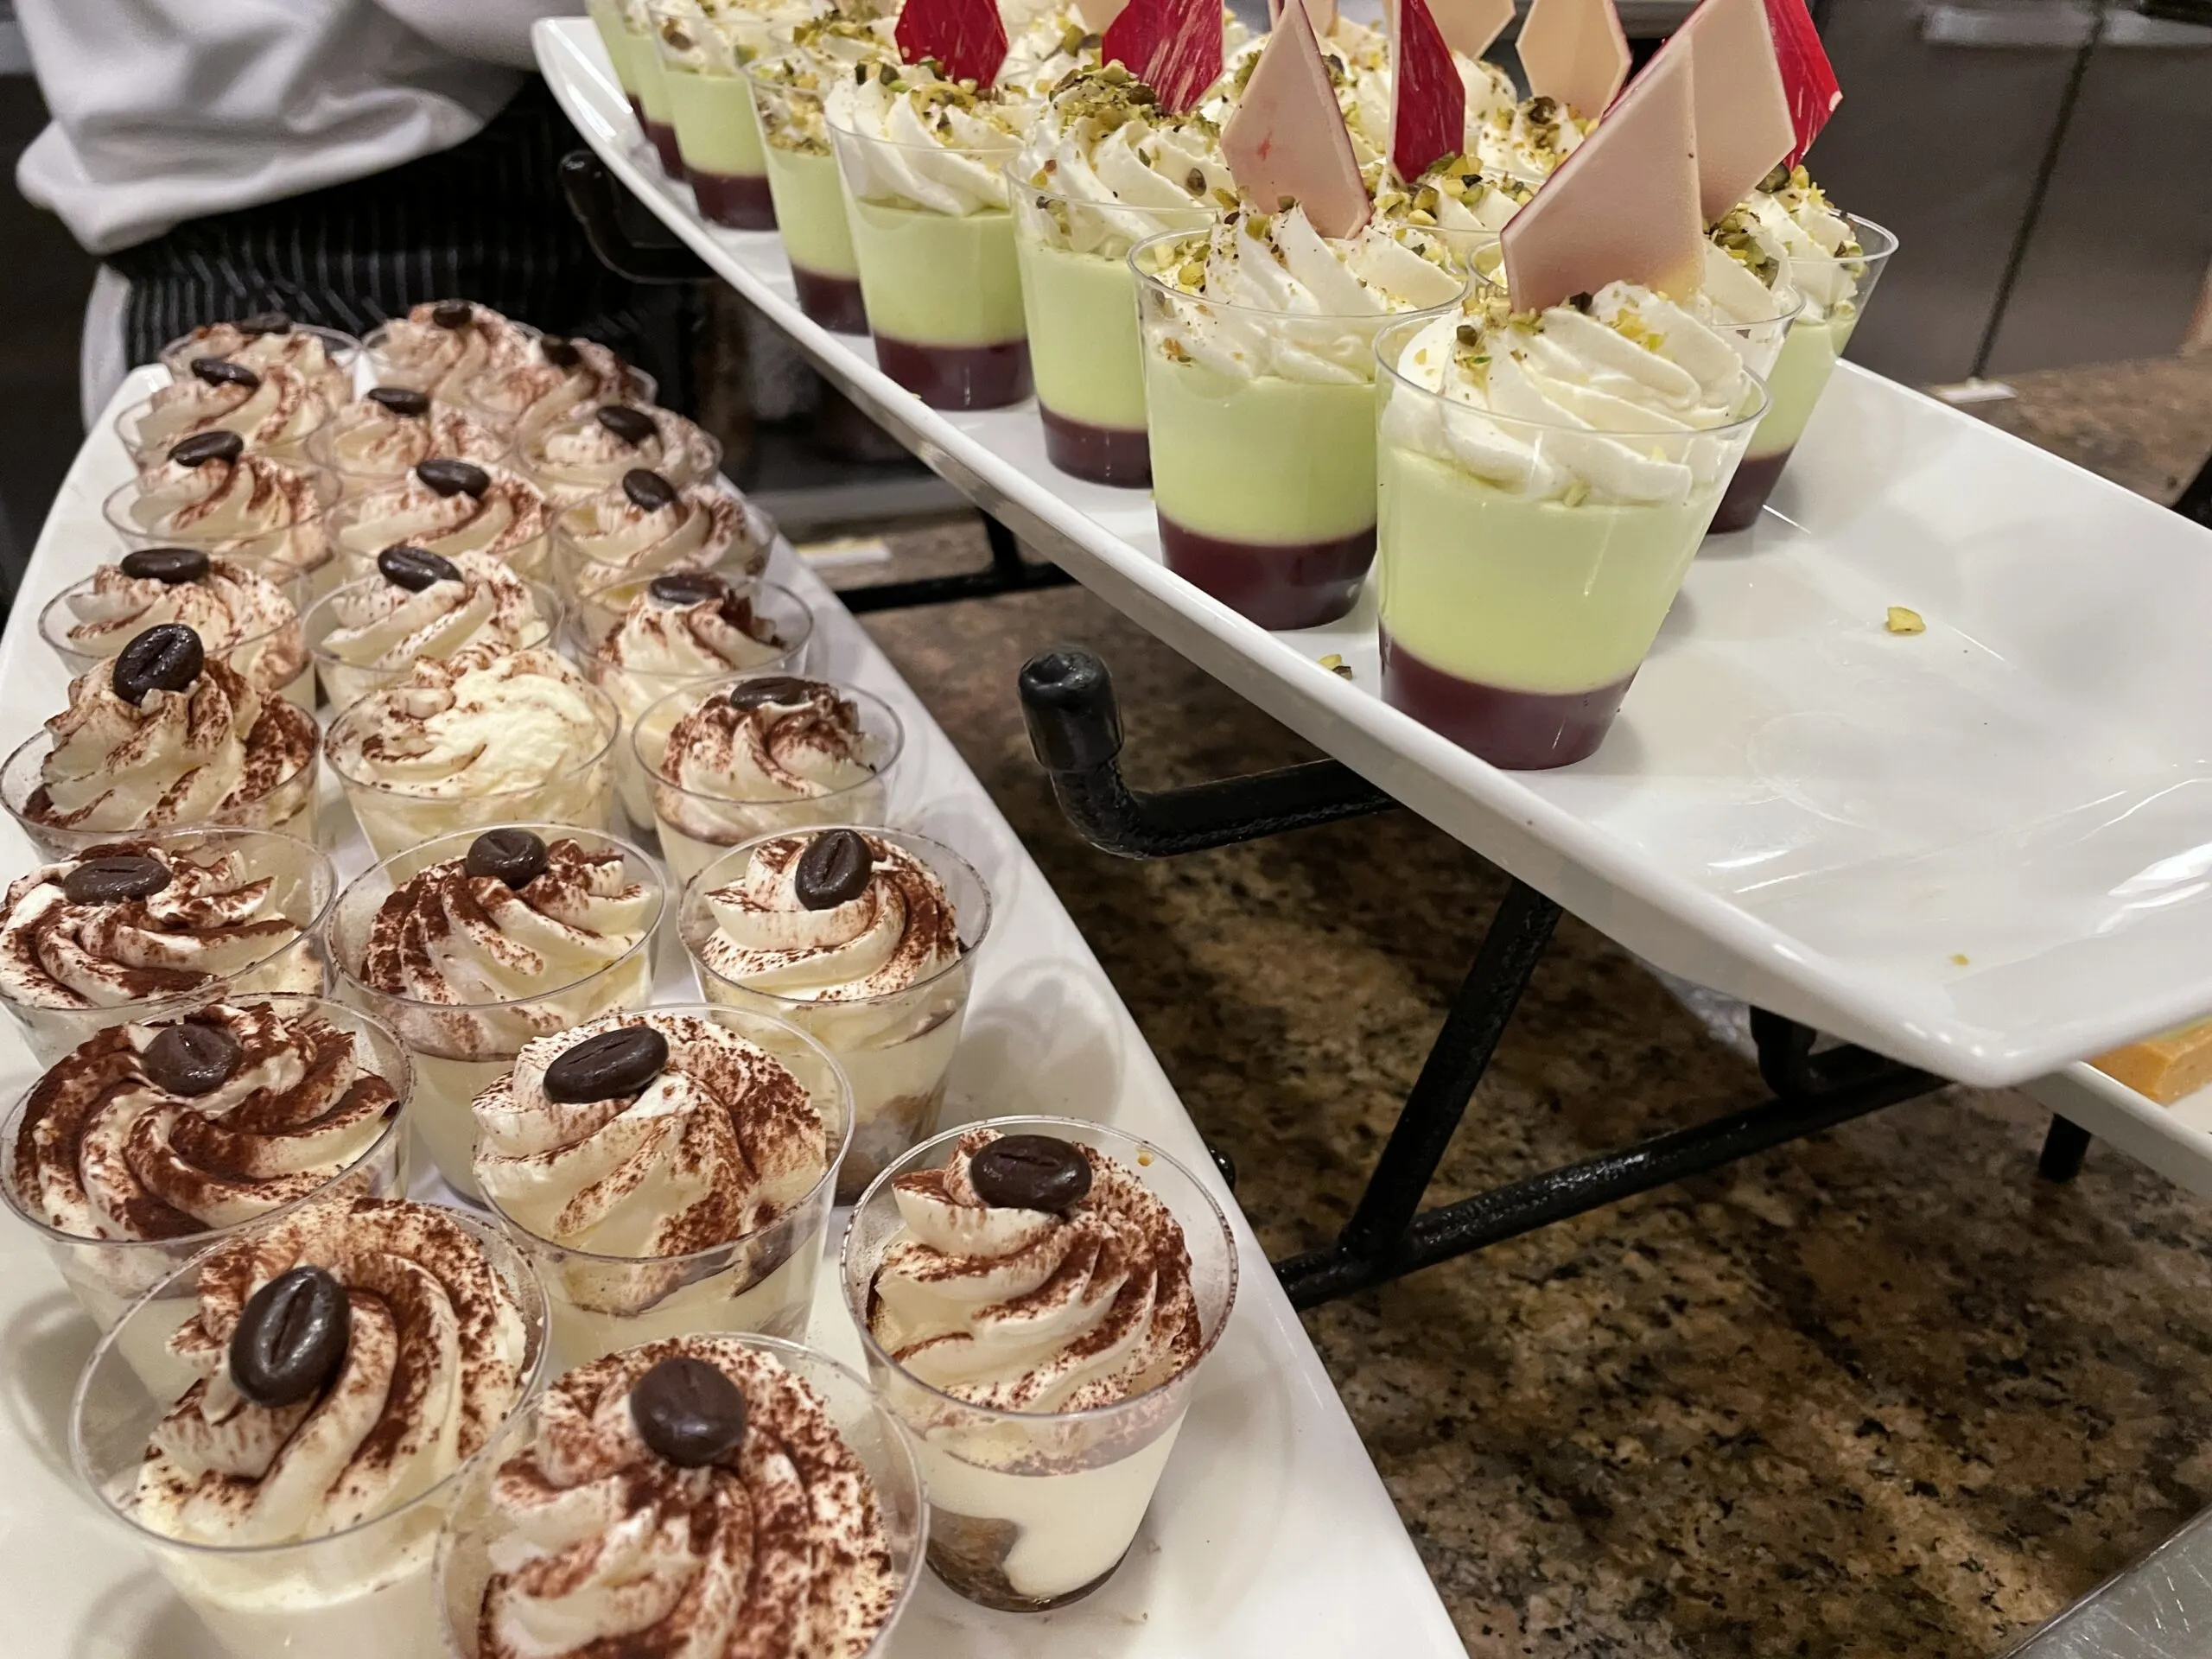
{"type": "Point", "coordinates": [1009, 573]}
{"type": "Point", "coordinates": [2065, 1144]}
{"type": "Point", "coordinates": [598, 208]}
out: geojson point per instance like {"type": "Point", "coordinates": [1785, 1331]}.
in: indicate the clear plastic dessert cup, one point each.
{"type": "Point", "coordinates": [1263, 486]}
{"type": "Point", "coordinates": [761, 1282]}
{"type": "Point", "coordinates": [1080, 301]}
{"type": "Point", "coordinates": [1836, 291]}
{"type": "Point", "coordinates": [580, 790]}
{"type": "Point", "coordinates": [253, 657]}
{"type": "Point", "coordinates": [301, 542]}
{"type": "Point", "coordinates": [460, 1048]}
{"type": "Point", "coordinates": [341, 348]}
{"type": "Point", "coordinates": [476, 1528]}
{"type": "Point", "coordinates": [303, 887]}
{"type": "Point", "coordinates": [565, 483]}
{"type": "Point", "coordinates": [718, 141]}
{"type": "Point", "coordinates": [346, 682]}
{"type": "Point", "coordinates": [367, 1592]}
{"type": "Point", "coordinates": [606, 18]}
{"type": "Point", "coordinates": [358, 474]}
{"type": "Point", "coordinates": [1514, 624]}
{"type": "Point", "coordinates": [809, 203]}
{"type": "Point", "coordinates": [579, 568]}
{"type": "Point", "coordinates": [1030, 1510]}
{"type": "Point", "coordinates": [593, 612]}
{"type": "Point", "coordinates": [650, 82]}
{"type": "Point", "coordinates": [697, 827]}
{"type": "Point", "coordinates": [383, 371]}
{"type": "Point", "coordinates": [286, 808]}
{"type": "Point", "coordinates": [147, 451]}
{"type": "Point", "coordinates": [357, 540]}
{"type": "Point", "coordinates": [106, 1275]}
{"type": "Point", "coordinates": [895, 1050]}
{"type": "Point", "coordinates": [942, 291]}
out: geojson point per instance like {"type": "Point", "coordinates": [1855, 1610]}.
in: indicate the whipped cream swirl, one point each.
{"type": "Point", "coordinates": [1629, 394]}
{"type": "Point", "coordinates": [704, 527]}
{"type": "Point", "coordinates": [1292, 302]}
{"type": "Point", "coordinates": [507, 522]}
{"type": "Point", "coordinates": [788, 86]}
{"type": "Point", "coordinates": [437, 1359]}
{"type": "Point", "coordinates": [723, 1143]}
{"type": "Point", "coordinates": [277, 408]}
{"type": "Point", "coordinates": [381, 628]}
{"type": "Point", "coordinates": [300, 350]}
{"type": "Point", "coordinates": [718, 37]}
{"type": "Point", "coordinates": [898, 931]}
{"type": "Point", "coordinates": [106, 1152]}
{"type": "Point", "coordinates": [660, 640]}
{"type": "Point", "coordinates": [1789, 218]}
{"type": "Point", "coordinates": [1526, 140]}
{"type": "Point", "coordinates": [1124, 169]}
{"type": "Point", "coordinates": [418, 351]}
{"type": "Point", "coordinates": [557, 377]}
{"type": "Point", "coordinates": [584, 453]}
{"type": "Point", "coordinates": [367, 439]}
{"type": "Point", "coordinates": [239, 615]}
{"type": "Point", "coordinates": [803, 743]}
{"type": "Point", "coordinates": [936, 145]}
{"type": "Point", "coordinates": [473, 726]}
{"type": "Point", "coordinates": [212, 752]}
{"type": "Point", "coordinates": [1033, 1310]}
{"type": "Point", "coordinates": [777, 1551]}
{"type": "Point", "coordinates": [255, 505]}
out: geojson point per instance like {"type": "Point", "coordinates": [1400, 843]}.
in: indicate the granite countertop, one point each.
{"type": "Point", "coordinates": [1880, 1392]}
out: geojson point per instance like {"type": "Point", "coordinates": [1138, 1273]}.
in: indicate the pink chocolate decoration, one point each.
{"type": "Point", "coordinates": [1622, 207]}
{"type": "Point", "coordinates": [1807, 77]}
{"type": "Point", "coordinates": [1742, 114]}
{"type": "Point", "coordinates": [1287, 137]}
{"type": "Point", "coordinates": [1171, 46]}
{"type": "Point", "coordinates": [966, 37]}
{"type": "Point", "coordinates": [1575, 52]}
{"type": "Point", "coordinates": [1469, 26]}
{"type": "Point", "coordinates": [1428, 101]}
{"type": "Point", "coordinates": [1098, 16]}
{"type": "Point", "coordinates": [1322, 13]}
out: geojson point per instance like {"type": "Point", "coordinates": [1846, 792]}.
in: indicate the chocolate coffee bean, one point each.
{"type": "Point", "coordinates": [688, 588]}
{"type": "Point", "coordinates": [416, 568]}
{"type": "Point", "coordinates": [1029, 1172]}
{"type": "Point", "coordinates": [192, 1059]}
{"type": "Point", "coordinates": [648, 489]}
{"type": "Point", "coordinates": [401, 400]}
{"type": "Point", "coordinates": [770, 687]}
{"type": "Point", "coordinates": [450, 477]}
{"type": "Point", "coordinates": [514, 856]}
{"type": "Point", "coordinates": [688, 1412]}
{"type": "Point", "coordinates": [290, 1339]}
{"type": "Point", "coordinates": [264, 322]}
{"type": "Point", "coordinates": [168, 656]}
{"type": "Point", "coordinates": [453, 314]}
{"type": "Point", "coordinates": [561, 353]}
{"type": "Point", "coordinates": [173, 565]}
{"type": "Point", "coordinates": [114, 877]}
{"type": "Point", "coordinates": [619, 1062]}
{"type": "Point", "coordinates": [833, 870]}
{"type": "Point", "coordinates": [632, 426]}
{"type": "Point", "coordinates": [220, 372]}
{"type": "Point", "coordinates": [203, 446]}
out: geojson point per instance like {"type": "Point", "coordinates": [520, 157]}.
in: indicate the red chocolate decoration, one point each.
{"type": "Point", "coordinates": [966, 37]}
{"type": "Point", "coordinates": [1171, 46]}
{"type": "Point", "coordinates": [1428, 101]}
{"type": "Point", "coordinates": [1806, 75]}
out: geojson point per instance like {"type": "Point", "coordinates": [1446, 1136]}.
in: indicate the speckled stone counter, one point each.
{"type": "Point", "coordinates": [1878, 1392]}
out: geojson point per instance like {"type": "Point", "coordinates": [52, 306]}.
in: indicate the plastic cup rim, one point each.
{"type": "Point", "coordinates": [1867, 255]}
{"type": "Point", "coordinates": [127, 418]}
{"type": "Point", "coordinates": [541, 594]}
{"type": "Point", "coordinates": [720, 682]}
{"type": "Point", "coordinates": [1381, 320]}
{"type": "Point", "coordinates": [529, 464]}
{"type": "Point", "coordinates": [1202, 218]}
{"type": "Point", "coordinates": [346, 342]}
{"type": "Point", "coordinates": [328, 494]}
{"type": "Point", "coordinates": [803, 611]}
{"type": "Point", "coordinates": [53, 607]}
{"type": "Point", "coordinates": [603, 705]}
{"type": "Point", "coordinates": [989, 156]}
{"type": "Point", "coordinates": [34, 829]}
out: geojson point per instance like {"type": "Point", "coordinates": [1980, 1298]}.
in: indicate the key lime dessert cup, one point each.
{"type": "Point", "coordinates": [1524, 567]}
{"type": "Point", "coordinates": [761, 1282]}
{"type": "Point", "coordinates": [1079, 299]}
{"type": "Point", "coordinates": [710, 106]}
{"type": "Point", "coordinates": [614, 34]}
{"type": "Point", "coordinates": [1264, 485]}
{"type": "Point", "coordinates": [1033, 1510]}
{"type": "Point", "coordinates": [463, 1043]}
{"type": "Point", "coordinates": [1836, 288]}
{"type": "Point", "coordinates": [942, 289]}
{"type": "Point", "coordinates": [808, 196]}
{"type": "Point", "coordinates": [367, 1591]}
{"type": "Point", "coordinates": [651, 86]}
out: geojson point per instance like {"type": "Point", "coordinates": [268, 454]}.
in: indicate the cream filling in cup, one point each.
{"type": "Point", "coordinates": [260, 658]}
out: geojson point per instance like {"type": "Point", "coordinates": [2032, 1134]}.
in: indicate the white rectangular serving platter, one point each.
{"type": "Point", "coordinates": [1983, 849]}
{"type": "Point", "coordinates": [1271, 1535]}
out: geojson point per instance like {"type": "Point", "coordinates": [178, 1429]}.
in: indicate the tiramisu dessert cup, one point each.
{"type": "Point", "coordinates": [473, 945]}
{"type": "Point", "coordinates": [339, 1373]}
{"type": "Point", "coordinates": [1103, 170]}
{"type": "Point", "coordinates": [643, 525]}
{"type": "Point", "coordinates": [641, 639]}
{"type": "Point", "coordinates": [595, 448]}
{"type": "Point", "coordinates": [606, 18]}
{"type": "Point", "coordinates": [450, 507]}
{"type": "Point", "coordinates": [702, 49]}
{"type": "Point", "coordinates": [365, 634]}
{"type": "Point", "coordinates": [274, 411]}
{"type": "Point", "coordinates": [160, 737]}
{"type": "Point", "coordinates": [1035, 1297]}
{"type": "Point", "coordinates": [862, 937]}
{"type": "Point", "coordinates": [710, 1496]}
{"type": "Point", "coordinates": [382, 435]}
{"type": "Point", "coordinates": [668, 1172]}
{"type": "Point", "coordinates": [728, 760]}
{"type": "Point", "coordinates": [1259, 384]}
{"type": "Point", "coordinates": [270, 339]}
{"type": "Point", "coordinates": [1528, 559]}
{"type": "Point", "coordinates": [477, 738]}
{"type": "Point", "coordinates": [554, 377]}
{"type": "Point", "coordinates": [247, 613]}
{"type": "Point", "coordinates": [1836, 277]}
{"type": "Point", "coordinates": [925, 199]}
{"type": "Point", "coordinates": [159, 1138]}
{"type": "Point", "coordinates": [803, 182]}
{"type": "Point", "coordinates": [441, 347]}
{"type": "Point", "coordinates": [142, 925]}
{"type": "Point", "coordinates": [210, 495]}
{"type": "Point", "coordinates": [650, 83]}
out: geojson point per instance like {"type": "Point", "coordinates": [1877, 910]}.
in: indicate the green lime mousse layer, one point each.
{"type": "Point", "coordinates": [714, 124]}
{"type": "Point", "coordinates": [1261, 459]}
{"type": "Point", "coordinates": [811, 211]}
{"type": "Point", "coordinates": [931, 279]}
{"type": "Point", "coordinates": [1083, 335]}
{"type": "Point", "coordinates": [1800, 376]}
{"type": "Point", "coordinates": [649, 79]}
